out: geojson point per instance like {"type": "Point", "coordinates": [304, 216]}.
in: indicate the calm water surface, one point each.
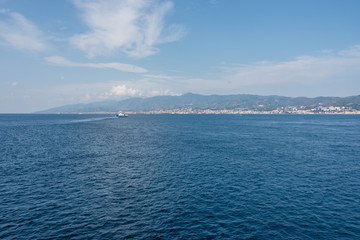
{"type": "Point", "coordinates": [179, 177]}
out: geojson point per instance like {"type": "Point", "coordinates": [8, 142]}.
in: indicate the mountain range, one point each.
{"type": "Point", "coordinates": [213, 102]}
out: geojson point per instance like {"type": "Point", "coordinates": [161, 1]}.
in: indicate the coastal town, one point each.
{"type": "Point", "coordinates": [282, 110]}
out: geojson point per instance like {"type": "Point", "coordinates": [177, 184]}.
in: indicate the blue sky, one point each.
{"type": "Point", "coordinates": [61, 52]}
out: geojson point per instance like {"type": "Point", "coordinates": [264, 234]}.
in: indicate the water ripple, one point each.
{"type": "Point", "coordinates": [179, 177]}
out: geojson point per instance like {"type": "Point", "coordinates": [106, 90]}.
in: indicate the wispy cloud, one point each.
{"type": "Point", "coordinates": [160, 76]}
{"type": "Point", "coordinates": [61, 61]}
{"type": "Point", "coordinates": [303, 69]}
{"type": "Point", "coordinates": [133, 27]}
{"type": "Point", "coordinates": [354, 51]}
{"type": "Point", "coordinates": [20, 33]}
{"type": "Point", "coordinates": [329, 73]}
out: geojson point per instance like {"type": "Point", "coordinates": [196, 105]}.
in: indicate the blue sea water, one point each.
{"type": "Point", "coordinates": [180, 177]}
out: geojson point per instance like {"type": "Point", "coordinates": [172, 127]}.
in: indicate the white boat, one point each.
{"type": "Point", "coordinates": [121, 115]}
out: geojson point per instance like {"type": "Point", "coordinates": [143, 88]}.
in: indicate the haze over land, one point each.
{"type": "Point", "coordinates": [55, 53]}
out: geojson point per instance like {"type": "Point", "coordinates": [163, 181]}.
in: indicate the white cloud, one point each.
{"type": "Point", "coordinates": [123, 91]}
{"type": "Point", "coordinates": [61, 61]}
{"type": "Point", "coordinates": [20, 33]}
{"type": "Point", "coordinates": [133, 27]}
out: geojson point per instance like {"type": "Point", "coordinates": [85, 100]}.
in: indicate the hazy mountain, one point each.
{"type": "Point", "coordinates": [214, 102]}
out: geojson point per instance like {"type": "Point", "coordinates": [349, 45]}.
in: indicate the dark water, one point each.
{"type": "Point", "coordinates": [179, 177]}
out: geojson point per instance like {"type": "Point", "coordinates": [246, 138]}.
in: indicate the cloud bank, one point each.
{"type": "Point", "coordinates": [61, 61]}
{"type": "Point", "coordinates": [133, 27]}
{"type": "Point", "coordinates": [20, 33]}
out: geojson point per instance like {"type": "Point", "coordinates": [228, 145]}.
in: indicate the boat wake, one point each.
{"type": "Point", "coordinates": [89, 120]}
{"type": "Point", "coordinates": [43, 122]}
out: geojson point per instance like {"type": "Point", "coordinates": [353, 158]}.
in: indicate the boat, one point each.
{"type": "Point", "coordinates": [121, 115]}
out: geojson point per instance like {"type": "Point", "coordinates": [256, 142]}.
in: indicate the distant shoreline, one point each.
{"type": "Point", "coordinates": [206, 113]}
{"type": "Point", "coordinates": [219, 104]}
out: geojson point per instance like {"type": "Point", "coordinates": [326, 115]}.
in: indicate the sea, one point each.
{"type": "Point", "coordinates": [179, 176]}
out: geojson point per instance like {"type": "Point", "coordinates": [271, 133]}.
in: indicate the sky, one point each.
{"type": "Point", "coordinates": [60, 52]}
